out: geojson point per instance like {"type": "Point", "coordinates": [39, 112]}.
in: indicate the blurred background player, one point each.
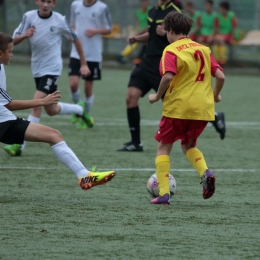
{"type": "Point", "coordinates": [146, 74]}
{"type": "Point", "coordinates": [16, 130]}
{"type": "Point", "coordinates": [226, 29]}
{"type": "Point", "coordinates": [141, 16]}
{"type": "Point", "coordinates": [44, 29]}
{"type": "Point", "coordinates": [195, 16]}
{"type": "Point", "coordinates": [207, 24]}
{"type": "Point", "coordinates": [188, 104]}
{"type": "Point", "coordinates": [90, 19]}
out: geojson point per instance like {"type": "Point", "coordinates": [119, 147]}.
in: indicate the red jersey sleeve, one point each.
{"type": "Point", "coordinates": [199, 21]}
{"type": "Point", "coordinates": [214, 65]}
{"type": "Point", "coordinates": [234, 22]}
{"type": "Point", "coordinates": [168, 63]}
{"type": "Point", "coordinates": [216, 23]}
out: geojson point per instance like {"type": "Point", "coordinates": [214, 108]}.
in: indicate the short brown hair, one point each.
{"type": "Point", "coordinates": [5, 39]}
{"type": "Point", "coordinates": [177, 22]}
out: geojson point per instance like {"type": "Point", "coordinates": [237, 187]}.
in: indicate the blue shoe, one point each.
{"type": "Point", "coordinates": [164, 200]}
{"type": "Point", "coordinates": [208, 181]}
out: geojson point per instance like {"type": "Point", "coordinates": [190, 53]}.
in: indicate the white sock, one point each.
{"type": "Point", "coordinates": [35, 120]}
{"type": "Point", "coordinates": [75, 96]}
{"type": "Point", "coordinates": [89, 102]}
{"type": "Point", "coordinates": [66, 109]}
{"type": "Point", "coordinates": [68, 158]}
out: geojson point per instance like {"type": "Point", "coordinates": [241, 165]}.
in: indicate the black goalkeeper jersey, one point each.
{"type": "Point", "coordinates": [157, 43]}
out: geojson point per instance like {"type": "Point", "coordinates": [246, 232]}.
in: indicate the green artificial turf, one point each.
{"type": "Point", "coordinates": [45, 215]}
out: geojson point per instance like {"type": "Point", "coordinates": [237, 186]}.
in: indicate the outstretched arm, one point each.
{"type": "Point", "coordinates": [25, 104]}
{"type": "Point", "coordinates": [139, 38]}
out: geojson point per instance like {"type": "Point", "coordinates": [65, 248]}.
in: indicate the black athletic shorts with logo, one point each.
{"type": "Point", "coordinates": [13, 131]}
{"type": "Point", "coordinates": [146, 75]}
{"type": "Point", "coordinates": [47, 83]}
{"type": "Point", "coordinates": [94, 67]}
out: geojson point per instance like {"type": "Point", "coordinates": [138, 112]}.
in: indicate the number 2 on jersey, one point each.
{"type": "Point", "coordinates": [198, 55]}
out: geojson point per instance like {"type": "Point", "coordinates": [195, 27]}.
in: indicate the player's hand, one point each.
{"type": "Point", "coordinates": [52, 98]}
{"type": "Point", "coordinates": [217, 98]}
{"type": "Point", "coordinates": [90, 32]}
{"type": "Point", "coordinates": [84, 70]}
{"type": "Point", "coordinates": [131, 40]}
{"type": "Point", "coordinates": [160, 30]}
{"type": "Point", "coordinates": [153, 98]}
{"type": "Point", "coordinates": [30, 32]}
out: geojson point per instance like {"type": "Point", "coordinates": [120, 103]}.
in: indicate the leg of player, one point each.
{"type": "Point", "coordinates": [86, 179]}
{"type": "Point", "coordinates": [197, 160]}
{"type": "Point", "coordinates": [61, 108]}
{"type": "Point", "coordinates": [16, 149]}
{"type": "Point", "coordinates": [133, 116]}
{"type": "Point", "coordinates": [74, 94]}
{"type": "Point", "coordinates": [220, 124]}
{"type": "Point", "coordinates": [162, 165]}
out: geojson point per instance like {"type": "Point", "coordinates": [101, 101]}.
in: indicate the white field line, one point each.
{"type": "Point", "coordinates": [125, 169]}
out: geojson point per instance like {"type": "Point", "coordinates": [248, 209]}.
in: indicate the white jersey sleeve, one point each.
{"type": "Point", "coordinates": [23, 26]}
{"type": "Point", "coordinates": [106, 22]}
{"type": "Point", "coordinates": [67, 31]}
{"type": "Point", "coordinates": [4, 97]}
{"type": "Point", "coordinates": [72, 14]}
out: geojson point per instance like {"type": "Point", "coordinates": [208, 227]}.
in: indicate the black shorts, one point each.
{"type": "Point", "coordinates": [47, 83]}
{"type": "Point", "coordinates": [146, 75]}
{"type": "Point", "coordinates": [13, 131]}
{"type": "Point", "coordinates": [94, 67]}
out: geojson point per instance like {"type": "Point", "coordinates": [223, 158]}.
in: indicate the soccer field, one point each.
{"type": "Point", "coordinates": [45, 215]}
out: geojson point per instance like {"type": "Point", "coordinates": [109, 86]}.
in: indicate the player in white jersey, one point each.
{"type": "Point", "coordinates": [44, 29]}
{"type": "Point", "coordinates": [90, 19]}
{"type": "Point", "coordinates": [16, 130]}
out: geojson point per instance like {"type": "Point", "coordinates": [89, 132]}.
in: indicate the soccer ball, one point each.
{"type": "Point", "coordinates": [153, 189]}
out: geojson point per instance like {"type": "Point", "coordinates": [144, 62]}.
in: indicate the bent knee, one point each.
{"type": "Point", "coordinates": [56, 136]}
{"type": "Point", "coordinates": [132, 99]}
{"type": "Point", "coordinates": [51, 112]}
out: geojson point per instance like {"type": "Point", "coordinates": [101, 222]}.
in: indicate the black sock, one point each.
{"type": "Point", "coordinates": [133, 116]}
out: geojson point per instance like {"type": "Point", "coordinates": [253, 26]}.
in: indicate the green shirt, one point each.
{"type": "Point", "coordinates": [207, 23]}
{"type": "Point", "coordinates": [142, 17]}
{"type": "Point", "coordinates": [195, 18]}
{"type": "Point", "coordinates": [227, 23]}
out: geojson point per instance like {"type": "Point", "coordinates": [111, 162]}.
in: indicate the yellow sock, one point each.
{"type": "Point", "coordinates": [129, 49]}
{"type": "Point", "coordinates": [162, 164]}
{"type": "Point", "coordinates": [197, 160]}
{"type": "Point", "coordinates": [223, 53]}
{"type": "Point", "coordinates": [216, 52]}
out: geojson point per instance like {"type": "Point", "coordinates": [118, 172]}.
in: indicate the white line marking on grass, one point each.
{"type": "Point", "coordinates": [125, 169]}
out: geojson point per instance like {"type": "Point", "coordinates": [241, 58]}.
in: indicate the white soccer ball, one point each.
{"type": "Point", "coordinates": [153, 189]}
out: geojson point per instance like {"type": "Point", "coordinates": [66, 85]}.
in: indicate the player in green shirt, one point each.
{"type": "Point", "coordinates": [141, 16]}
{"type": "Point", "coordinates": [207, 24]}
{"type": "Point", "coordinates": [195, 16]}
{"type": "Point", "coordinates": [226, 28]}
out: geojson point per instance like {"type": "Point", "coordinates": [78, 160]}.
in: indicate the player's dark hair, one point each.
{"type": "Point", "coordinates": [5, 39]}
{"type": "Point", "coordinates": [189, 3]}
{"type": "Point", "coordinates": [209, 2]}
{"type": "Point", "coordinates": [177, 22]}
{"type": "Point", "coordinates": [225, 5]}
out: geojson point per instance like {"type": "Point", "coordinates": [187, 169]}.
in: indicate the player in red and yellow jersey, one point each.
{"type": "Point", "coordinates": [226, 26]}
{"type": "Point", "coordinates": [187, 68]}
